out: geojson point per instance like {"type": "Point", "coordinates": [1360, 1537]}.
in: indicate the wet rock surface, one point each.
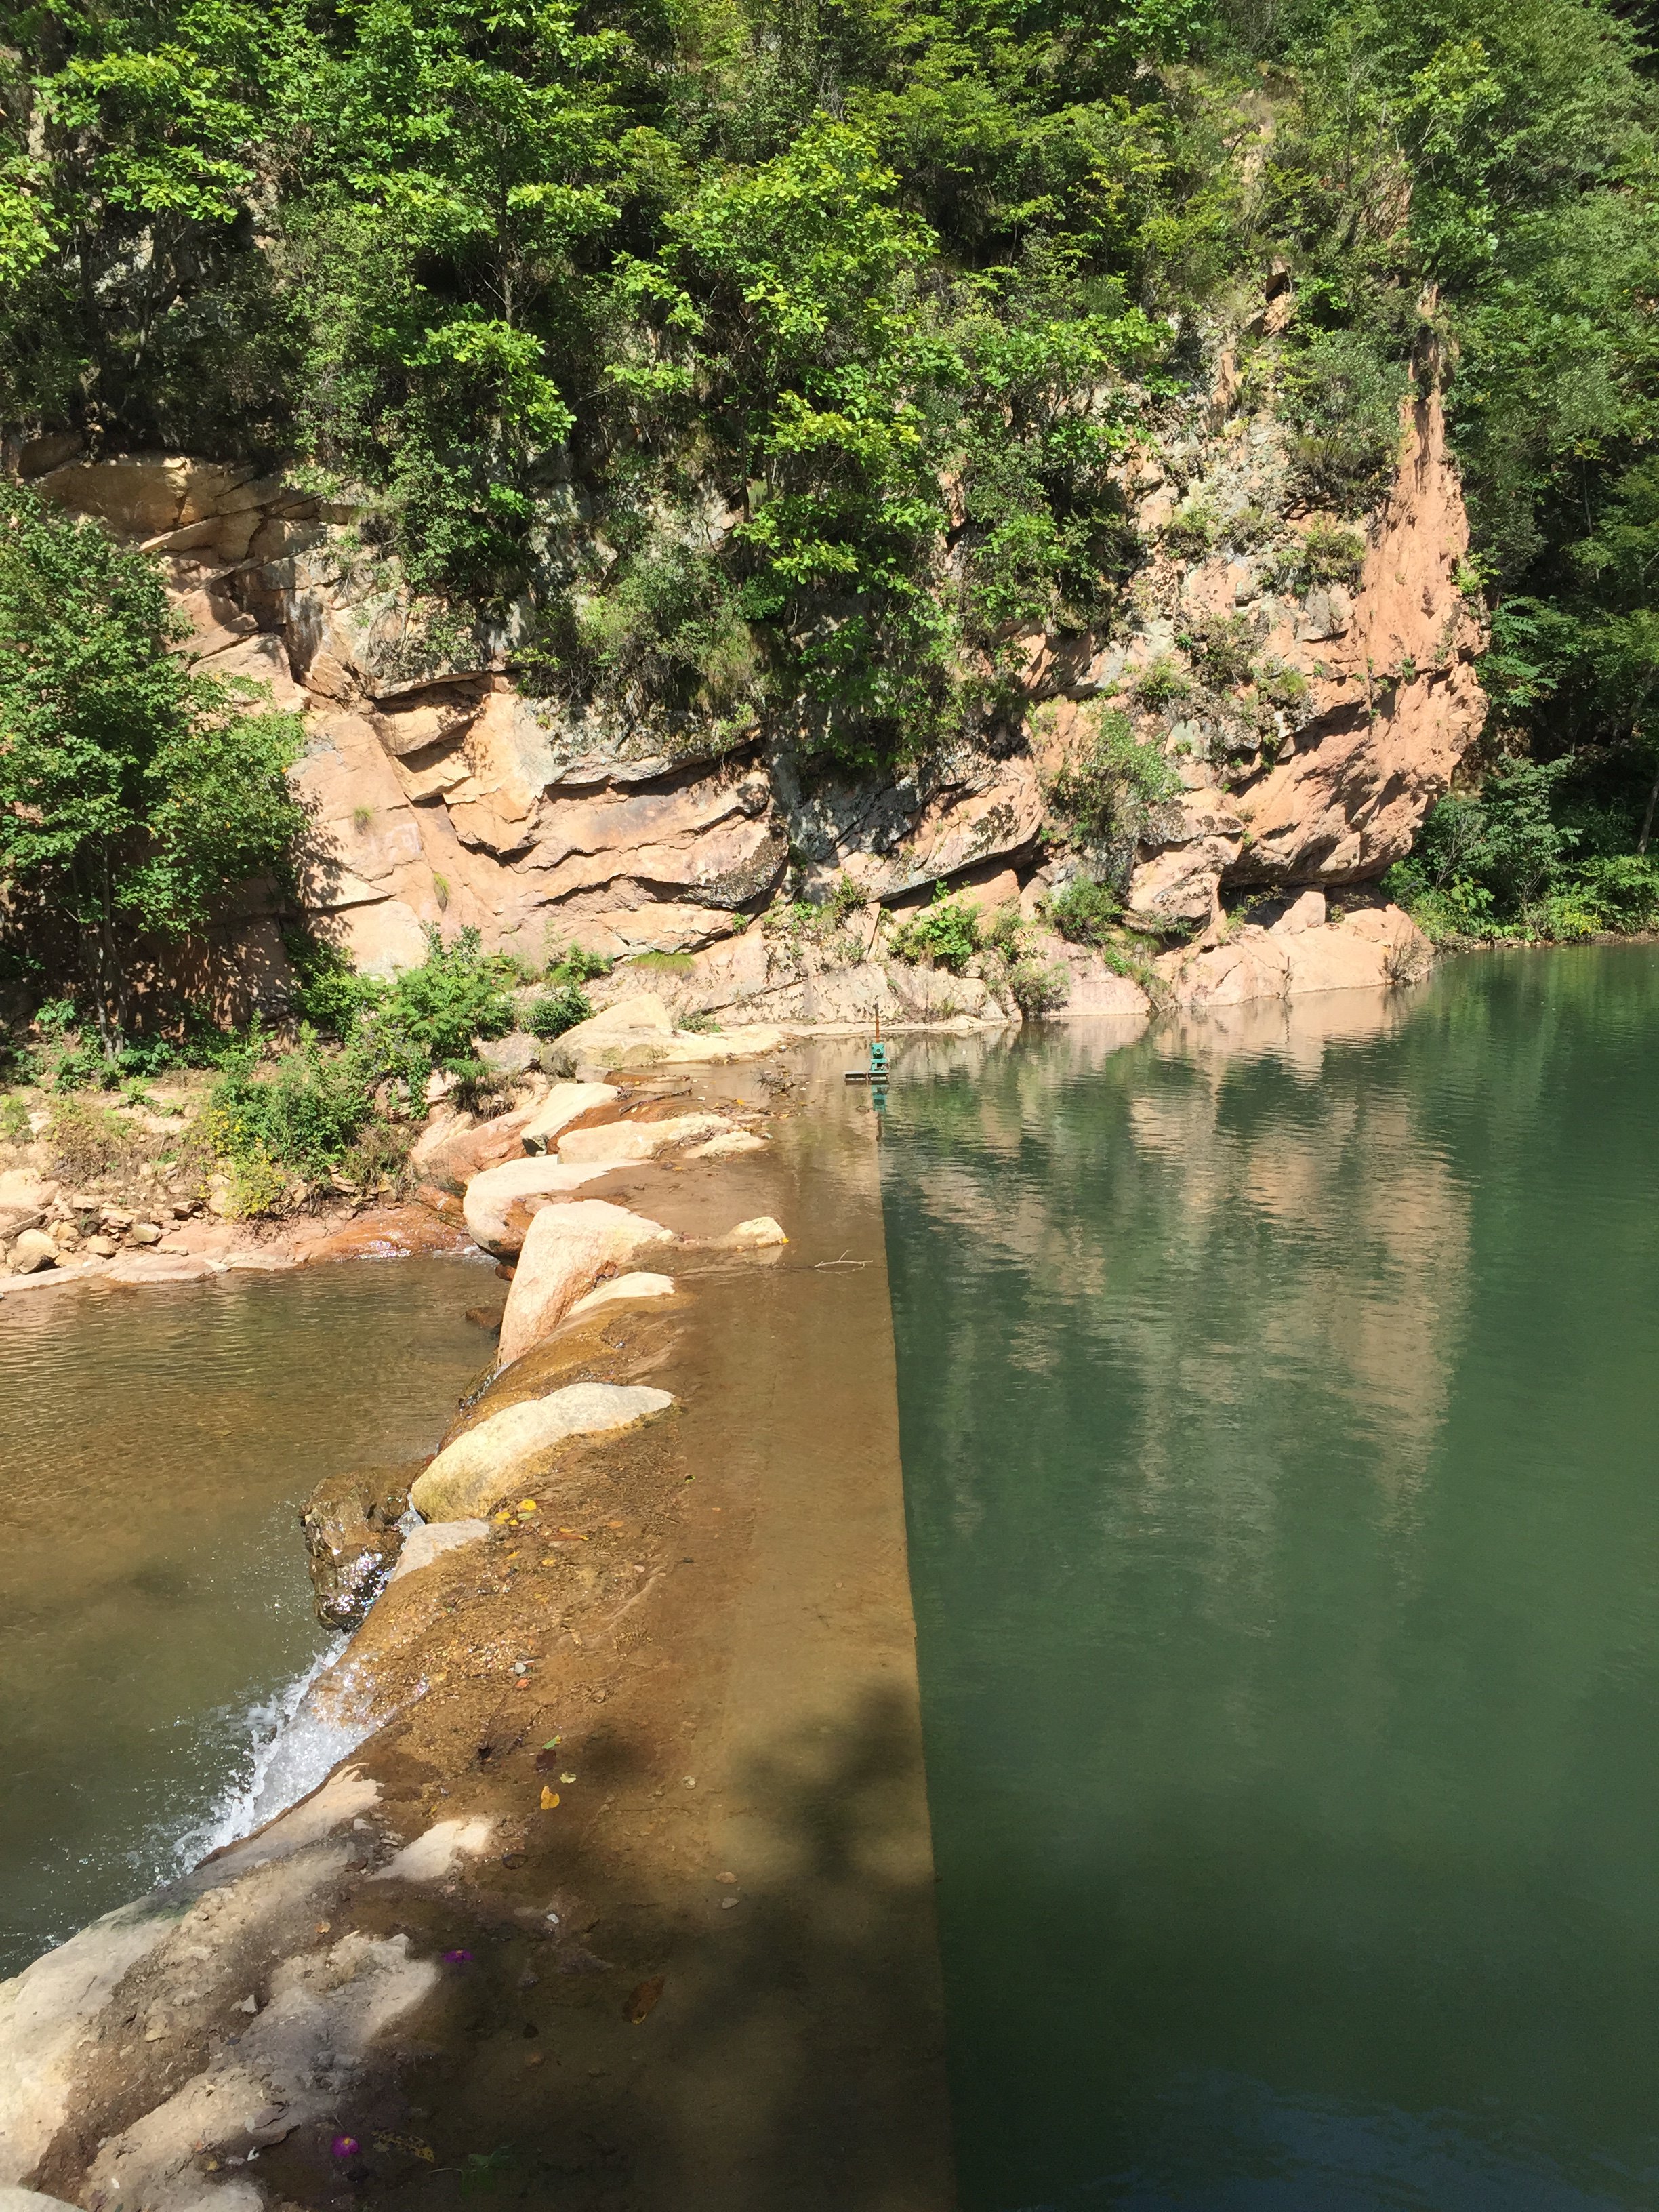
{"type": "Point", "coordinates": [566, 1919]}
{"type": "Point", "coordinates": [352, 1539]}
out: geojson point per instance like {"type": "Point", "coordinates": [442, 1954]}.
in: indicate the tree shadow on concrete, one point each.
{"type": "Point", "coordinates": [792, 2058]}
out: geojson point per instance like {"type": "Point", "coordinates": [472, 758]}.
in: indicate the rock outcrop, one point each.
{"type": "Point", "coordinates": [438, 793]}
{"type": "Point", "coordinates": [349, 1523]}
{"type": "Point", "coordinates": [617, 1142]}
{"type": "Point", "coordinates": [1396, 700]}
{"type": "Point", "coordinates": [567, 1249]}
{"type": "Point", "coordinates": [567, 1102]}
{"type": "Point", "coordinates": [497, 1458]}
{"type": "Point", "coordinates": [1361, 951]}
{"type": "Point", "coordinates": [499, 1202]}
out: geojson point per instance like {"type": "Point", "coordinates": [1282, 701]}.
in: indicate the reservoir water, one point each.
{"type": "Point", "coordinates": [154, 1605]}
{"type": "Point", "coordinates": [1277, 1404]}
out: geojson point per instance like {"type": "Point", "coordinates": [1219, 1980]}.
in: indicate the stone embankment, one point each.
{"type": "Point", "coordinates": [557, 1915]}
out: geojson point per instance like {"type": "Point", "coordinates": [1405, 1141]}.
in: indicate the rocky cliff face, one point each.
{"type": "Point", "coordinates": [1312, 722]}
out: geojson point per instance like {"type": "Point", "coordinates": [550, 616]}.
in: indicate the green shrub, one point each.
{"type": "Point", "coordinates": [1110, 781]}
{"type": "Point", "coordinates": [665, 963]}
{"type": "Point", "coordinates": [666, 629]}
{"type": "Point", "coordinates": [844, 900]}
{"type": "Point", "coordinates": [259, 1185]}
{"type": "Point", "coordinates": [82, 1065]}
{"type": "Point", "coordinates": [1085, 912]}
{"type": "Point", "coordinates": [85, 1142]}
{"type": "Point", "coordinates": [1286, 688]}
{"type": "Point", "coordinates": [1219, 647]}
{"type": "Point", "coordinates": [1038, 987]}
{"type": "Point", "coordinates": [1004, 930]}
{"type": "Point", "coordinates": [555, 1011]}
{"type": "Point", "coordinates": [700, 1024]}
{"type": "Point", "coordinates": [13, 1120]}
{"type": "Point", "coordinates": [135, 792]}
{"type": "Point", "coordinates": [1444, 911]}
{"type": "Point", "coordinates": [1344, 393]}
{"type": "Point", "coordinates": [946, 933]}
{"type": "Point", "coordinates": [1621, 889]}
{"type": "Point", "coordinates": [1566, 915]}
{"type": "Point", "coordinates": [377, 1157]}
{"type": "Point", "coordinates": [427, 1016]}
{"type": "Point", "coordinates": [576, 964]}
{"type": "Point", "coordinates": [1190, 532]}
{"type": "Point", "coordinates": [1164, 682]}
{"type": "Point", "coordinates": [328, 993]}
{"type": "Point", "coordinates": [301, 1113]}
{"type": "Point", "coordinates": [67, 1056]}
{"type": "Point", "coordinates": [434, 1011]}
{"type": "Point", "coordinates": [1324, 554]}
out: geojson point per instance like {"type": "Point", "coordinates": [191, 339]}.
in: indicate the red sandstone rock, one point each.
{"type": "Point", "coordinates": [442, 797]}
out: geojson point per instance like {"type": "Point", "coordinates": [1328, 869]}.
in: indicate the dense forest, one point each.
{"type": "Point", "coordinates": [889, 287]}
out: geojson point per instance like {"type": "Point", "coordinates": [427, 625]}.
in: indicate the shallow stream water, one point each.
{"type": "Point", "coordinates": [154, 1605]}
{"type": "Point", "coordinates": [1278, 1421]}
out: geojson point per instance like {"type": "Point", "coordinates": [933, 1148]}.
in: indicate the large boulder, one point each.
{"type": "Point", "coordinates": [641, 1014]}
{"type": "Point", "coordinates": [617, 1142]}
{"type": "Point", "coordinates": [565, 1103]}
{"type": "Point", "coordinates": [495, 1459]}
{"type": "Point", "coordinates": [349, 1523]}
{"type": "Point", "coordinates": [425, 1545]}
{"type": "Point", "coordinates": [1361, 951]}
{"type": "Point", "coordinates": [499, 1202]}
{"type": "Point", "coordinates": [138, 1271]}
{"type": "Point", "coordinates": [33, 1250]}
{"type": "Point", "coordinates": [619, 1289]}
{"type": "Point", "coordinates": [1094, 991]}
{"type": "Point", "coordinates": [761, 1234]}
{"type": "Point", "coordinates": [718, 1049]}
{"type": "Point", "coordinates": [639, 1030]}
{"type": "Point", "coordinates": [729, 1144]}
{"type": "Point", "coordinates": [454, 1147]}
{"type": "Point", "coordinates": [21, 1189]}
{"type": "Point", "coordinates": [567, 1251]}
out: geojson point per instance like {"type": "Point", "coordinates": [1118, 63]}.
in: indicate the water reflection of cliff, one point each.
{"type": "Point", "coordinates": [1237, 1218]}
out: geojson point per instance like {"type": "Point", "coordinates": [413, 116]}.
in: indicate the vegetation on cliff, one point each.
{"type": "Point", "coordinates": [778, 358]}
{"type": "Point", "coordinates": [135, 792]}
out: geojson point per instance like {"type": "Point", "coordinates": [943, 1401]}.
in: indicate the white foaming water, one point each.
{"type": "Point", "coordinates": [292, 1748]}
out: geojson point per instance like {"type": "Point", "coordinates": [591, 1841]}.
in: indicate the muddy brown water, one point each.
{"type": "Point", "coordinates": [154, 1605]}
{"type": "Point", "coordinates": [746, 1830]}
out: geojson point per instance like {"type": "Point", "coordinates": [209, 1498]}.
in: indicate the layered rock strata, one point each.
{"type": "Point", "coordinates": [438, 794]}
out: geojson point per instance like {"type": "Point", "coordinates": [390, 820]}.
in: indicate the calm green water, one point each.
{"type": "Point", "coordinates": [154, 1605]}
{"type": "Point", "coordinates": [1278, 1409]}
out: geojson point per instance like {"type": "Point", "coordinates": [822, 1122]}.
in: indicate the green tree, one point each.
{"type": "Point", "coordinates": [134, 792]}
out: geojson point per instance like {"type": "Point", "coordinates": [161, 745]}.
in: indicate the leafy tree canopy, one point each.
{"type": "Point", "coordinates": [782, 350]}
{"type": "Point", "coordinates": [134, 792]}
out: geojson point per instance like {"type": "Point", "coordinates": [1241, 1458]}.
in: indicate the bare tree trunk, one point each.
{"type": "Point", "coordinates": [109, 1031]}
{"type": "Point", "coordinates": [1647, 819]}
